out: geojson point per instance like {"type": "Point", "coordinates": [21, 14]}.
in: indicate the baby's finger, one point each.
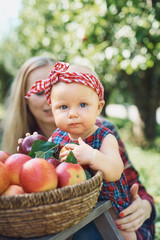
{"type": "Point", "coordinates": [63, 154]}
{"type": "Point", "coordinates": [18, 149]}
{"type": "Point", "coordinates": [71, 146]}
{"type": "Point", "coordinates": [63, 159]}
{"type": "Point", "coordinates": [80, 141]}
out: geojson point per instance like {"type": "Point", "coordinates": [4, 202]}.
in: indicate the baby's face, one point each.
{"type": "Point", "coordinates": [75, 108]}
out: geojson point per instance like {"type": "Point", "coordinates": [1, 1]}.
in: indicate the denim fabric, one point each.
{"type": "Point", "coordinates": [88, 232]}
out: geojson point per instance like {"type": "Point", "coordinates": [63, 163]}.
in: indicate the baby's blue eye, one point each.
{"type": "Point", "coordinates": [40, 93]}
{"type": "Point", "coordinates": [63, 107]}
{"type": "Point", "coordinates": [83, 105]}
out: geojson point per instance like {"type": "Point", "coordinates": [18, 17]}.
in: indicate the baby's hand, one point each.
{"type": "Point", "coordinates": [82, 152]}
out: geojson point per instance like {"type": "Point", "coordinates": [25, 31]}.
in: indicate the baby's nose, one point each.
{"type": "Point", "coordinates": [73, 113]}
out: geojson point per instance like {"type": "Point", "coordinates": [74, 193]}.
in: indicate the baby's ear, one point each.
{"type": "Point", "coordinates": [100, 106]}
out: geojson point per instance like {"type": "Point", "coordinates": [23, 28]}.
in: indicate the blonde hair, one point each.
{"type": "Point", "coordinates": [19, 120]}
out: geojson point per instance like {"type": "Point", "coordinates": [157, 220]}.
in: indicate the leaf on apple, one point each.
{"type": "Point", "coordinates": [88, 175]}
{"type": "Point", "coordinates": [44, 149]}
{"type": "Point", "coordinates": [40, 154]}
{"type": "Point", "coordinates": [71, 158]}
{"type": "Point", "coordinates": [57, 151]}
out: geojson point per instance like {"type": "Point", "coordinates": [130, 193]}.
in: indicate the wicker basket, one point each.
{"type": "Point", "coordinates": [40, 214]}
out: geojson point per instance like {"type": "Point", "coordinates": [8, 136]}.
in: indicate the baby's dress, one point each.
{"type": "Point", "coordinates": [117, 191]}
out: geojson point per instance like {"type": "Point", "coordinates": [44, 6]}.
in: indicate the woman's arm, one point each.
{"type": "Point", "coordinates": [142, 199]}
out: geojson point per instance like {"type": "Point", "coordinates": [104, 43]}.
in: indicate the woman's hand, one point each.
{"type": "Point", "coordinates": [134, 216]}
{"type": "Point", "coordinates": [20, 140]}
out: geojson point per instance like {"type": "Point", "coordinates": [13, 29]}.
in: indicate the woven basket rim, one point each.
{"type": "Point", "coordinates": [52, 196]}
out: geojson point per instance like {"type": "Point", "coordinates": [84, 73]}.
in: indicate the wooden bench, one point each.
{"type": "Point", "coordinates": [99, 215]}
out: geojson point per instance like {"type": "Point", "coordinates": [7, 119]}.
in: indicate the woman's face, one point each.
{"type": "Point", "coordinates": [37, 103]}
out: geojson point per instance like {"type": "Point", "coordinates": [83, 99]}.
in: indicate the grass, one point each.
{"type": "Point", "coordinates": [146, 162]}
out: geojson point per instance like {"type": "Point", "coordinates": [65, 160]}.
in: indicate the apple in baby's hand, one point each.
{"type": "Point", "coordinates": [38, 175]}
{"type": "Point", "coordinates": [3, 156]}
{"type": "Point", "coordinates": [63, 149]}
{"type": "Point", "coordinates": [13, 190]}
{"type": "Point", "coordinates": [14, 164]}
{"type": "Point", "coordinates": [55, 162]}
{"type": "Point", "coordinates": [4, 178]}
{"type": "Point", "coordinates": [26, 145]}
{"type": "Point", "coordinates": [69, 174]}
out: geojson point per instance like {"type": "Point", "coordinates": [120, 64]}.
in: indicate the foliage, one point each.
{"type": "Point", "coordinates": [121, 39]}
{"type": "Point", "coordinates": [147, 164]}
{"type": "Point", "coordinates": [44, 149]}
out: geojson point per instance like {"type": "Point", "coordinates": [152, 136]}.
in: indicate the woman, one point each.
{"type": "Point", "coordinates": [35, 115]}
{"type": "Point", "coordinates": [28, 116]}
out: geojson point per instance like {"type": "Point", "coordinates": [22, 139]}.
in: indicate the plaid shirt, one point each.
{"type": "Point", "coordinates": [147, 230]}
{"type": "Point", "coordinates": [117, 191]}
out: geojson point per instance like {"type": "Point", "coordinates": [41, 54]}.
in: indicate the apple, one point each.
{"type": "Point", "coordinates": [69, 174]}
{"type": "Point", "coordinates": [14, 164]}
{"type": "Point", "coordinates": [4, 178]}
{"type": "Point", "coordinates": [3, 156]}
{"type": "Point", "coordinates": [13, 190]}
{"type": "Point", "coordinates": [55, 162]}
{"type": "Point", "coordinates": [63, 149]}
{"type": "Point", "coordinates": [38, 175]}
{"type": "Point", "coordinates": [26, 145]}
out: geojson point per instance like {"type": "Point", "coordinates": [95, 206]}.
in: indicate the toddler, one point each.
{"type": "Point", "coordinates": [76, 97]}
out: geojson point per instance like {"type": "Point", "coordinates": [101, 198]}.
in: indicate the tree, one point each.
{"type": "Point", "coordinates": [121, 39]}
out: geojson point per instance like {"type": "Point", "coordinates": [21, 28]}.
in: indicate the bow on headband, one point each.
{"type": "Point", "coordinates": [59, 74]}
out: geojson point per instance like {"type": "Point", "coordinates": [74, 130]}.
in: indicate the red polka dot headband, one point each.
{"type": "Point", "coordinates": [59, 74]}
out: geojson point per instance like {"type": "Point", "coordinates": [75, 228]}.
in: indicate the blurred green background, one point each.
{"type": "Point", "coordinates": [121, 40]}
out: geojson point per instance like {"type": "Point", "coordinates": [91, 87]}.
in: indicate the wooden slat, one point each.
{"type": "Point", "coordinates": [99, 215]}
{"type": "Point", "coordinates": [107, 227]}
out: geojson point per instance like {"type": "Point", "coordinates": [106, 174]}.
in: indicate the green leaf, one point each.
{"type": "Point", "coordinates": [39, 154]}
{"type": "Point", "coordinates": [42, 149]}
{"type": "Point", "coordinates": [56, 151]}
{"type": "Point", "coordinates": [71, 158]}
{"type": "Point", "coordinates": [44, 155]}
{"type": "Point", "coordinates": [88, 175]}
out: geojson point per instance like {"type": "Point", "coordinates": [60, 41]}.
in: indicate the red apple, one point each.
{"type": "Point", "coordinates": [3, 156]}
{"type": "Point", "coordinates": [13, 190]}
{"type": "Point", "coordinates": [38, 175]}
{"type": "Point", "coordinates": [26, 145]}
{"type": "Point", "coordinates": [4, 178]}
{"type": "Point", "coordinates": [14, 164]}
{"type": "Point", "coordinates": [69, 174]}
{"type": "Point", "coordinates": [55, 162]}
